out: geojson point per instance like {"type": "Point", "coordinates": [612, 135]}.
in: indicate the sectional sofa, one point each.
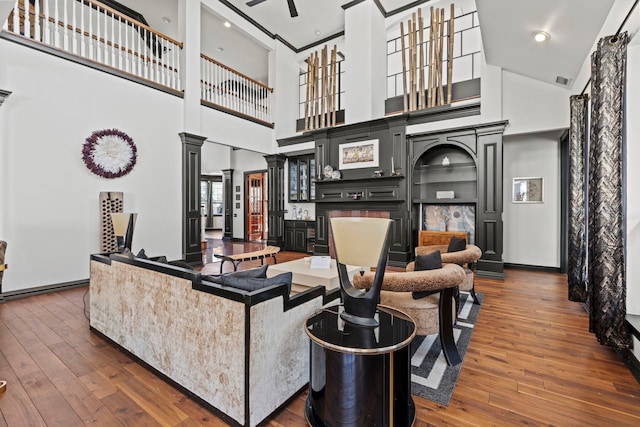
{"type": "Point", "coordinates": [242, 353]}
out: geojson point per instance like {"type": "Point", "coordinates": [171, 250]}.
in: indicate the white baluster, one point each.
{"type": "Point", "coordinates": [16, 17]}
{"type": "Point", "coordinates": [65, 22]}
{"type": "Point", "coordinates": [27, 18]}
{"type": "Point", "coordinates": [112, 39]}
{"type": "Point", "coordinates": [127, 56]}
{"type": "Point", "coordinates": [74, 27]}
{"type": "Point", "coordinates": [105, 38]}
{"type": "Point", "coordinates": [178, 70]}
{"type": "Point", "coordinates": [36, 19]}
{"type": "Point", "coordinates": [56, 26]}
{"type": "Point", "coordinates": [90, 17]}
{"type": "Point", "coordinates": [120, 44]}
{"type": "Point", "coordinates": [83, 40]}
{"type": "Point", "coordinates": [138, 51]}
{"type": "Point", "coordinates": [98, 35]}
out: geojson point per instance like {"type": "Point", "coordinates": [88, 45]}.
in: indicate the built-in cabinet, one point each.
{"type": "Point", "coordinates": [302, 178]}
{"type": "Point", "coordinates": [299, 236]}
{"type": "Point", "coordinates": [445, 174]}
{"type": "Point", "coordinates": [459, 167]}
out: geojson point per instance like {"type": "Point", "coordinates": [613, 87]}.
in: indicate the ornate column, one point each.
{"type": "Point", "coordinates": [191, 223]}
{"type": "Point", "coordinates": [275, 206]}
{"type": "Point", "coordinates": [228, 203]}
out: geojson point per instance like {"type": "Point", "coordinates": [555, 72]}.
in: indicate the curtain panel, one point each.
{"type": "Point", "coordinates": [577, 247]}
{"type": "Point", "coordinates": [606, 293]}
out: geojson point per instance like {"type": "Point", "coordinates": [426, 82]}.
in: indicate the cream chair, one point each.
{"type": "Point", "coordinates": [431, 314]}
{"type": "Point", "coordinates": [464, 258]}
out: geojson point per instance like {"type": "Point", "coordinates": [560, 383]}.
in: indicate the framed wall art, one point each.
{"type": "Point", "coordinates": [361, 154]}
{"type": "Point", "coordinates": [527, 190]}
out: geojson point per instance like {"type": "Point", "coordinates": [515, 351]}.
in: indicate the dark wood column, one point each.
{"type": "Point", "coordinates": [489, 212]}
{"type": "Point", "coordinates": [227, 185]}
{"type": "Point", "coordinates": [191, 224]}
{"type": "Point", "coordinates": [275, 204]}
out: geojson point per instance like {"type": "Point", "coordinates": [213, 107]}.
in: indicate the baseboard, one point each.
{"type": "Point", "coordinates": [631, 362]}
{"type": "Point", "coordinates": [532, 267]}
{"type": "Point", "coordinates": [23, 293]}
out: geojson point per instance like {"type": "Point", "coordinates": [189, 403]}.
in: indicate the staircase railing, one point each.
{"type": "Point", "coordinates": [94, 31]}
{"type": "Point", "coordinates": [230, 90]}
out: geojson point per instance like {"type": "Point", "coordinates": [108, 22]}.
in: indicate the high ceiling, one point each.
{"type": "Point", "coordinates": [507, 27]}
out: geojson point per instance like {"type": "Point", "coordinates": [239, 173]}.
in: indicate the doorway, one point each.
{"type": "Point", "coordinates": [256, 206]}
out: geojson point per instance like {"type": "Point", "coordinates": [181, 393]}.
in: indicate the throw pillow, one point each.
{"type": "Point", "coordinates": [427, 262]}
{"type": "Point", "coordinates": [255, 283]}
{"type": "Point", "coordinates": [258, 272]}
{"type": "Point", "coordinates": [142, 254]}
{"type": "Point", "coordinates": [457, 244]}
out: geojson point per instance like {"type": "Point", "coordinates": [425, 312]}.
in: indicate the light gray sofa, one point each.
{"type": "Point", "coordinates": [242, 353]}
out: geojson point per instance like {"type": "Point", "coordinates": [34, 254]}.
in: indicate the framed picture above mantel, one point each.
{"type": "Point", "coordinates": [361, 154]}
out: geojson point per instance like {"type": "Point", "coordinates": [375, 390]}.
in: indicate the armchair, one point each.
{"type": "Point", "coordinates": [432, 314]}
{"type": "Point", "coordinates": [464, 258]}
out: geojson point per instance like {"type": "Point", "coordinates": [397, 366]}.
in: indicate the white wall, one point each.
{"type": "Point", "coordinates": [50, 211]}
{"type": "Point", "coordinates": [532, 231]}
{"type": "Point", "coordinates": [215, 157]}
{"type": "Point", "coordinates": [532, 106]}
{"type": "Point", "coordinates": [633, 180]}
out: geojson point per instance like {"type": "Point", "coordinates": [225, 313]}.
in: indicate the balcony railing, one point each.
{"type": "Point", "coordinates": [98, 33]}
{"type": "Point", "coordinates": [227, 89]}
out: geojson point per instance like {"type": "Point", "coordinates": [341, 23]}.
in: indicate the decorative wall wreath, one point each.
{"type": "Point", "coordinates": [109, 153]}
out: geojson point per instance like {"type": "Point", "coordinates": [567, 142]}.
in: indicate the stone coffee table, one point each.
{"type": "Point", "coordinates": [305, 277]}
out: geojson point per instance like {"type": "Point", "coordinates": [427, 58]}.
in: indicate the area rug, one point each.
{"type": "Point", "coordinates": [431, 377]}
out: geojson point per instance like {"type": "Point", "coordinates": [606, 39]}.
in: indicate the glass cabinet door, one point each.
{"type": "Point", "coordinates": [303, 195]}
{"type": "Point", "coordinates": [293, 180]}
{"type": "Point", "coordinates": [312, 181]}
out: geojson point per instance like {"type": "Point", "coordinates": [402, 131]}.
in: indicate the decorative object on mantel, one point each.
{"type": "Point", "coordinates": [414, 88]}
{"type": "Point", "coordinates": [321, 101]}
{"type": "Point", "coordinates": [328, 170]}
{"type": "Point", "coordinates": [445, 161]}
{"type": "Point", "coordinates": [394, 171]}
{"type": "Point", "coordinates": [109, 153]}
{"type": "Point", "coordinates": [378, 173]}
{"type": "Point", "coordinates": [336, 175]}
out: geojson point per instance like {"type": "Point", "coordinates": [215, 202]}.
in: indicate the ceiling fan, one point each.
{"type": "Point", "coordinates": [292, 7]}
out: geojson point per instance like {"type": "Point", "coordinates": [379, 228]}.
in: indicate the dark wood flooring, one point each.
{"type": "Point", "coordinates": [531, 362]}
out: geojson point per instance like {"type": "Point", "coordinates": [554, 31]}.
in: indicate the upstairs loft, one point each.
{"type": "Point", "coordinates": [99, 36]}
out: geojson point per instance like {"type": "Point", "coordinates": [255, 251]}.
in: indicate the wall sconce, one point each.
{"type": "Point", "coordinates": [123, 225]}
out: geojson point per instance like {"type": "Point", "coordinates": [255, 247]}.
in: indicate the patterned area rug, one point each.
{"type": "Point", "coordinates": [431, 377]}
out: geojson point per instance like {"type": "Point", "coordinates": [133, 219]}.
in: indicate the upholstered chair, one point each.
{"type": "Point", "coordinates": [432, 313]}
{"type": "Point", "coordinates": [464, 258]}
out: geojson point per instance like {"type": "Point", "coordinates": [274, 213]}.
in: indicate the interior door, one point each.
{"type": "Point", "coordinates": [256, 185]}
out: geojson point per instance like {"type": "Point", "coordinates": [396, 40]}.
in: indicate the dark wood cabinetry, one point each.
{"type": "Point", "coordinates": [299, 236]}
{"type": "Point", "coordinates": [302, 177]}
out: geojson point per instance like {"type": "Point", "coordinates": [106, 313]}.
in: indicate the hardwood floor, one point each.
{"type": "Point", "coordinates": [531, 361]}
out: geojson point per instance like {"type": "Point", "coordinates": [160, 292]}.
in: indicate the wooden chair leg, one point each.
{"type": "Point", "coordinates": [445, 316]}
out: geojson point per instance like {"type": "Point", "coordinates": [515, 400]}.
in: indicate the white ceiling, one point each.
{"type": "Point", "coordinates": [506, 25]}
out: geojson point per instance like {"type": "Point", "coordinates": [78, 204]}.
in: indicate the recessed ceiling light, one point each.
{"type": "Point", "coordinates": [317, 32]}
{"type": "Point", "coordinates": [227, 24]}
{"type": "Point", "coordinates": [541, 36]}
{"type": "Point", "coordinates": [166, 20]}
{"type": "Point", "coordinates": [220, 49]}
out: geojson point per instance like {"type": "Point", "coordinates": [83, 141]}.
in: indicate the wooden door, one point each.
{"type": "Point", "coordinates": [256, 206]}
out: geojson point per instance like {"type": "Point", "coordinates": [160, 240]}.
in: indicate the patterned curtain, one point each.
{"type": "Point", "coordinates": [577, 272]}
{"type": "Point", "coordinates": [606, 293]}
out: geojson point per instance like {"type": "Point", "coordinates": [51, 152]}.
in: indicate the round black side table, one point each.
{"type": "Point", "coordinates": [360, 376]}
